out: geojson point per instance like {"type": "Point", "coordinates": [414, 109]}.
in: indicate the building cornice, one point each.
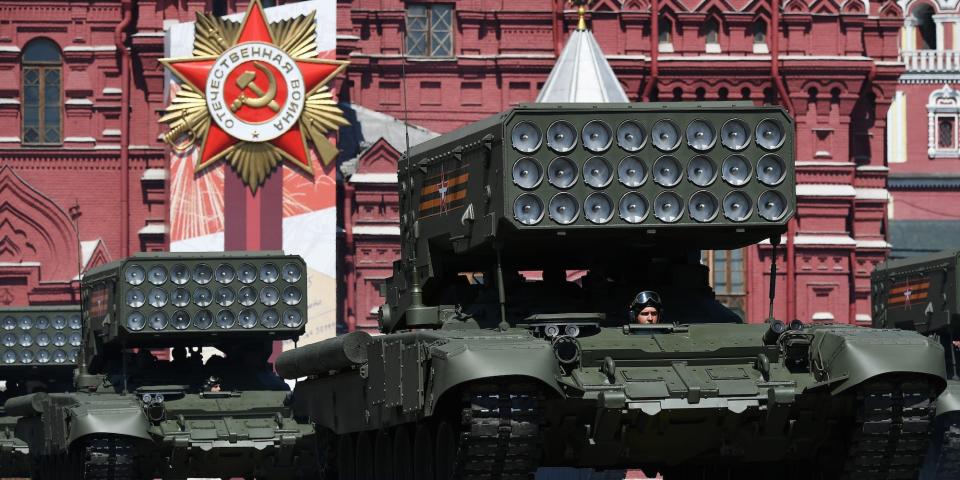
{"type": "Point", "coordinates": [922, 182]}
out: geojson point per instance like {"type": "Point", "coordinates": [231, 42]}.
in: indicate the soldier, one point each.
{"type": "Point", "coordinates": [646, 307]}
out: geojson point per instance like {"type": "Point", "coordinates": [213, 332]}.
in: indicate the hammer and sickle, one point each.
{"type": "Point", "coordinates": [265, 99]}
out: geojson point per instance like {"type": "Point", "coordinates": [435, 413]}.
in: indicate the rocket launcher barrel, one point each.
{"type": "Point", "coordinates": [320, 358]}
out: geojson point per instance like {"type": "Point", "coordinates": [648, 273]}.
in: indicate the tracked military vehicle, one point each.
{"type": "Point", "coordinates": [40, 346]}
{"type": "Point", "coordinates": [484, 372]}
{"type": "Point", "coordinates": [921, 294]}
{"type": "Point", "coordinates": [137, 415]}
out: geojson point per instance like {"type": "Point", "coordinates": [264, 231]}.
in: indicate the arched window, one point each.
{"type": "Point", "coordinates": [711, 34]}
{"type": "Point", "coordinates": [926, 33]}
{"type": "Point", "coordinates": [41, 71]}
{"type": "Point", "coordinates": [759, 31]}
{"type": "Point", "coordinates": [665, 31]}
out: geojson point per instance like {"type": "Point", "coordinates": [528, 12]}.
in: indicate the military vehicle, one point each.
{"type": "Point", "coordinates": [484, 374]}
{"type": "Point", "coordinates": [921, 293]}
{"type": "Point", "coordinates": [39, 352]}
{"type": "Point", "coordinates": [135, 415]}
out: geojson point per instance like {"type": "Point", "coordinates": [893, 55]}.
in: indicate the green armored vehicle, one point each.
{"type": "Point", "coordinates": [922, 294]}
{"type": "Point", "coordinates": [40, 346]}
{"type": "Point", "coordinates": [484, 372]}
{"type": "Point", "coordinates": [137, 415]}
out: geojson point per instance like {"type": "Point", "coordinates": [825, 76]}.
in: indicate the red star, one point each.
{"type": "Point", "coordinates": [196, 69]}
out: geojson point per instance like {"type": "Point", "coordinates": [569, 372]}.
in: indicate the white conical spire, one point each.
{"type": "Point", "coordinates": [582, 74]}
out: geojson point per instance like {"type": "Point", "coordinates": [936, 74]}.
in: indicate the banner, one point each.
{"type": "Point", "coordinates": [309, 201]}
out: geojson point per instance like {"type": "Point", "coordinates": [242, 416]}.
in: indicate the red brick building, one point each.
{"type": "Point", "coordinates": [81, 89]}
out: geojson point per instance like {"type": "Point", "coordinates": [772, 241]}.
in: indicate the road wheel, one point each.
{"type": "Point", "coordinates": [402, 457]}
{"type": "Point", "coordinates": [364, 455]}
{"type": "Point", "coordinates": [446, 451]}
{"type": "Point", "coordinates": [383, 455]}
{"type": "Point", "coordinates": [346, 458]}
{"type": "Point", "coordinates": [423, 458]}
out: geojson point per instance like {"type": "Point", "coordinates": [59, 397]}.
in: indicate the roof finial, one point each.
{"type": "Point", "coordinates": [581, 13]}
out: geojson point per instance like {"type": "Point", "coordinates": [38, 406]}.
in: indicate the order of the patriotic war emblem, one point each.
{"type": "Point", "coordinates": [254, 93]}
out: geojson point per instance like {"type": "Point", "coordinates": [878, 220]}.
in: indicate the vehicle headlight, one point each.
{"type": "Point", "coordinates": [225, 319]}
{"type": "Point", "coordinates": [292, 318]}
{"type": "Point", "coordinates": [561, 172]}
{"type": "Point", "coordinates": [571, 330]}
{"type": "Point", "coordinates": [666, 171]}
{"type": "Point", "coordinates": [597, 136]}
{"type": "Point", "coordinates": [291, 273]}
{"type": "Point", "coordinates": [202, 274]}
{"type": "Point", "coordinates": [180, 274]}
{"type": "Point", "coordinates": [771, 206]}
{"type": "Point", "coordinates": [665, 135]}
{"type": "Point", "coordinates": [734, 134]}
{"type": "Point", "coordinates": [157, 275]}
{"type": "Point", "coordinates": [633, 207]}
{"type": "Point", "coordinates": [700, 135]}
{"type": "Point", "coordinates": [770, 170]}
{"type": "Point", "coordinates": [527, 173]}
{"type": "Point", "coordinates": [597, 172]}
{"type": "Point", "coordinates": [291, 295]}
{"type": "Point", "coordinates": [701, 171]}
{"type": "Point", "coordinates": [561, 137]}
{"type": "Point", "coordinates": [668, 207]}
{"type": "Point", "coordinates": [247, 318]}
{"type": "Point", "coordinates": [269, 273]}
{"type": "Point", "coordinates": [703, 207]}
{"type": "Point", "coordinates": [769, 134]}
{"type": "Point", "coordinates": [528, 209]}
{"type": "Point", "coordinates": [735, 170]}
{"type": "Point", "coordinates": [598, 208]}
{"type": "Point", "coordinates": [551, 331]}
{"type": "Point", "coordinates": [526, 137]}
{"type": "Point", "coordinates": [630, 136]}
{"type": "Point", "coordinates": [203, 319]}
{"type": "Point", "coordinates": [158, 320]}
{"type": "Point", "coordinates": [202, 297]}
{"type": "Point", "coordinates": [564, 208]}
{"type": "Point", "coordinates": [225, 273]}
{"type": "Point", "coordinates": [270, 318]}
{"type": "Point", "coordinates": [246, 273]}
{"type": "Point", "coordinates": [157, 297]}
{"type": "Point", "coordinates": [135, 274]}
{"type": "Point", "coordinates": [180, 320]}
{"type": "Point", "coordinates": [631, 172]}
{"type": "Point", "coordinates": [737, 206]}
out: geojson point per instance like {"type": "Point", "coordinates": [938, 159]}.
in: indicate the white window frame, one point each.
{"type": "Point", "coordinates": [944, 102]}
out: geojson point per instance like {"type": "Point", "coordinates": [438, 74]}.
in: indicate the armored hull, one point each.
{"type": "Point", "coordinates": [680, 400]}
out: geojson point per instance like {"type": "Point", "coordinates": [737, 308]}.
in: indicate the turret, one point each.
{"type": "Point", "coordinates": [546, 182]}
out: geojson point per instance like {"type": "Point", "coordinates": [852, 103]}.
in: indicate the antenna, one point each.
{"type": "Point", "coordinates": [75, 217]}
{"type": "Point", "coordinates": [403, 80]}
{"type": "Point", "coordinates": [774, 241]}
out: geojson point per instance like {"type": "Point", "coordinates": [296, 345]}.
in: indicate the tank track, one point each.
{"type": "Point", "coordinates": [948, 460]}
{"type": "Point", "coordinates": [108, 458]}
{"type": "Point", "coordinates": [893, 431]}
{"type": "Point", "coordinates": [500, 435]}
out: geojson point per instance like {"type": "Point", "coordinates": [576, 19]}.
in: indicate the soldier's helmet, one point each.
{"type": "Point", "coordinates": [646, 298]}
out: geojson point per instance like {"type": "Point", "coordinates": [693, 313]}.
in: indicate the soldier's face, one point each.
{"type": "Point", "coordinates": [648, 315]}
